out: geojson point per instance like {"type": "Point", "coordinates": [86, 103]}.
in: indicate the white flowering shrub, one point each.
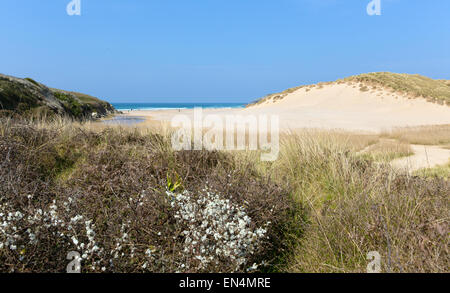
{"type": "Point", "coordinates": [104, 195]}
{"type": "Point", "coordinates": [216, 229]}
{"type": "Point", "coordinates": [25, 232]}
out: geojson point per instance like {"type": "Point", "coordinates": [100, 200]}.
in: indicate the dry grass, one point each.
{"type": "Point", "coordinates": [103, 193]}
{"type": "Point", "coordinates": [352, 141]}
{"type": "Point", "coordinates": [442, 171]}
{"type": "Point", "coordinates": [422, 135]}
{"type": "Point", "coordinates": [356, 206]}
{"type": "Point", "coordinates": [388, 150]}
{"type": "Point", "coordinates": [413, 85]}
{"type": "Point", "coordinates": [275, 97]}
{"type": "Point", "coordinates": [328, 205]}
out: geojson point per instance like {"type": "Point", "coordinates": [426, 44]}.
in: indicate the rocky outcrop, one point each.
{"type": "Point", "coordinates": [26, 96]}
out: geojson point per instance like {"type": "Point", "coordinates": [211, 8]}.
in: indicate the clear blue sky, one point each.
{"type": "Point", "coordinates": [217, 50]}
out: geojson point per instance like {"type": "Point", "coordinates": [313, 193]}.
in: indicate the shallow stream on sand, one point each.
{"type": "Point", "coordinates": [124, 120]}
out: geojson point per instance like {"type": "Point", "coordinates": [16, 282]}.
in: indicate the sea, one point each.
{"type": "Point", "coordinates": [168, 106]}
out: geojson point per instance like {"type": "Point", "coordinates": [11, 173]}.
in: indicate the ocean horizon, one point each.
{"type": "Point", "coordinates": [168, 106]}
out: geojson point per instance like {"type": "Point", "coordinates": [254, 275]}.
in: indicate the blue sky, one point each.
{"type": "Point", "coordinates": [217, 50]}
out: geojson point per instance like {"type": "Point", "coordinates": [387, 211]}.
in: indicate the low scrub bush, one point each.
{"type": "Point", "coordinates": [127, 203]}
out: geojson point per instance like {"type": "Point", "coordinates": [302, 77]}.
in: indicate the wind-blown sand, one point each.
{"type": "Point", "coordinates": [336, 106]}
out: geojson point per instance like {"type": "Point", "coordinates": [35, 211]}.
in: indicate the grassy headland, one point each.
{"type": "Point", "coordinates": [26, 97]}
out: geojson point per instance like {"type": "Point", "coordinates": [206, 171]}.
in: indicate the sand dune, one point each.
{"type": "Point", "coordinates": [336, 106]}
{"type": "Point", "coordinates": [345, 106]}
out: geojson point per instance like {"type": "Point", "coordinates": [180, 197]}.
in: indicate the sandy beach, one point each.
{"type": "Point", "coordinates": [335, 106]}
{"type": "Point", "coordinates": [342, 107]}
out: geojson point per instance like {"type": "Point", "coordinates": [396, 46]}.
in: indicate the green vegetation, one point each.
{"type": "Point", "coordinates": [439, 172]}
{"type": "Point", "coordinates": [32, 81]}
{"type": "Point", "coordinates": [355, 206]}
{"type": "Point", "coordinates": [275, 97]}
{"type": "Point", "coordinates": [322, 205]}
{"type": "Point", "coordinates": [26, 97]}
{"type": "Point", "coordinates": [121, 197]}
{"type": "Point", "coordinates": [137, 205]}
{"type": "Point", "coordinates": [12, 94]}
{"type": "Point", "coordinates": [387, 150]}
{"type": "Point", "coordinates": [82, 97]}
{"type": "Point", "coordinates": [411, 84]}
{"type": "Point", "coordinates": [72, 106]}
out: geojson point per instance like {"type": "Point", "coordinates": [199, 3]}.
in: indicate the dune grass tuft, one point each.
{"type": "Point", "coordinates": [422, 135]}
{"type": "Point", "coordinates": [442, 171]}
{"type": "Point", "coordinates": [355, 206]}
{"type": "Point", "coordinates": [414, 85]}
